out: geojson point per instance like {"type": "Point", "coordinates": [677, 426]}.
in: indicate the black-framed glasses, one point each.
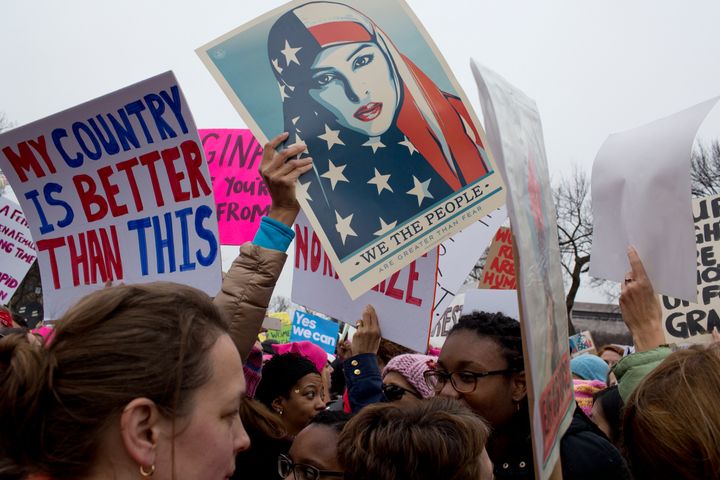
{"type": "Point", "coordinates": [394, 392]}
{"type": "Point", "coordinates": [462, 381]}
{"type": "Point", "coordinates": [302, 471]}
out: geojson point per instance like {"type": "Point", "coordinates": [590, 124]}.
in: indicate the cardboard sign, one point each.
{"type": "Point", "coordinates": [687, 322]}
{"type": "Point", "coordinates": [399, 166]}
{"type": "Point", "coordinates": [516, 138]}
{"type": "Point", "coordinates": [17, 249]}
{"type": "Point", "coordinates": [499, 271]}
{"type": "Point", "coordinates": [321, 332]}
{"type": "Point", "coordinates": [116, 189]}
{"type": "Point", "coordinates": [241, 196]}
{"type": "Point", "coordinates": [456, 258]}
{"type": "Point", "coordinates": [282, 334]}
{"type": "Point", "coordinates": [403, 302]}
{"type": "Point", "coordinates": [581, 343]}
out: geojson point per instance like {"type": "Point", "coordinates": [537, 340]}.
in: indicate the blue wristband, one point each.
{"type": "Point", "coordinates": [273, 235]}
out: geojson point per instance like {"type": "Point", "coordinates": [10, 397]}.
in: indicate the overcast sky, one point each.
{"type": "Point", "coordinates": [593, 68]}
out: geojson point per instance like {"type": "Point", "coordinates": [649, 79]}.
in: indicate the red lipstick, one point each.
{"type": "Point", "coordinates": [369, 112]}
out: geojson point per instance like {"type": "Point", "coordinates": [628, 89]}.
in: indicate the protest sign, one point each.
{"type": "Point", "coordinates": [499, 271]}
{"type": "Point", "coordinates": [403, 302]}
{"type": "Point", "coordinates": [491, 301]}
{"type": "Point", "coordinates": [445, 320]}
{"type": "Point", "coordinates": [282, 334]}
{"type": "Point", "coordinates": [17, 249]}
{"type": "Point", "coordinates": [398, 166]}
{"type": "Point", "coordinates": [581, 343]}
{"type": "Point", "coordinates": [116, 189]}
{"type": "Point", "coordinates": [641, 184]}
{"type": "Point", "coordinates": [483, 300]}
{"type": "Point", "coordinates": [687, 322]}
{"type": "Point", "coordinates": [515, 136]}
{"type": "Point", "coordinates": [321, 332]}
{"type": "Point", "coordinates": [241, 196]}
{"type": "Point", "coordinates": [458, 255]}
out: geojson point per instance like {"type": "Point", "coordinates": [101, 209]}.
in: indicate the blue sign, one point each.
{"type": "Point", "coordinates": [321, 332]}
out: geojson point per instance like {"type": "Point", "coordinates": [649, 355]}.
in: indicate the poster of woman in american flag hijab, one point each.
{"type": "Point", "coordinates": [399, 159]}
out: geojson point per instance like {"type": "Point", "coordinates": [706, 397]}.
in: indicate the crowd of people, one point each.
{"type": "Point", "coordinates": [161, 381]}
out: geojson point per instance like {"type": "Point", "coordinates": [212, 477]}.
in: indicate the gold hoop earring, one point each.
{"type": "Point", "coordinates": [147, 473]}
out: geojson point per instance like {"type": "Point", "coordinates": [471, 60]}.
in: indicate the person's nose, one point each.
{"type": "Point", "coordinates": [355, 89]}
{"type": "Point", "coordinates": [449, 391]}
{"type": "Point", "coordinates": [241, 439]}
{"type": "Point", "coordinates": [319, 403]}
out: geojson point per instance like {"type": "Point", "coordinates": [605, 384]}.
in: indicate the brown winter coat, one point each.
{"type": "Point", "coordinates": [246, 291]}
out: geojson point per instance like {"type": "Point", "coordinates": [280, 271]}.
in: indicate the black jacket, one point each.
{"type": "Point", "coordinates": [585, 454]}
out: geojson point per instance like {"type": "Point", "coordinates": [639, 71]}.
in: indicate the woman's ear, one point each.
{"type": "Point", "coordinates": [519, 386]}
{"type": "Point", "coordinates": [139, 430]}
{"type": "Point", "coordinates": [278, 405]}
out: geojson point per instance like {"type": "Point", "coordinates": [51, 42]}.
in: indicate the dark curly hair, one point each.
{"type": "Point", "coordinates": [502, 329]}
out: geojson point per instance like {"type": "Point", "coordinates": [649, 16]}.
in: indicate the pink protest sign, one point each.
{"type": "Point", "coordinates": [233, 156]}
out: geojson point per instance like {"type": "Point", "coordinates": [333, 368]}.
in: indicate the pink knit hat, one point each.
{"type": "Point", "coordinates": [412, 366]}
{"type": "Point", "coordinates": [584, 391]}
{"type": "Point", "coordinates": [305, 349]}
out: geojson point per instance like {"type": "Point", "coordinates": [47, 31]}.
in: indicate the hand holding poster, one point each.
{"type": "Point", "coordinates": [687, 322]}
{"type": "Point", "coordinates": [515, 133]}
{"type": "Point", "coordinates": [116, 189]}
{"type": "Point", "coordinates": [241, 196]}
{"type": "Point", "coordinates": [400, 160]}
{"type": "Point", "coordinates": [499, 271]}
{"type": "Point", "coordinates": [17, 249]}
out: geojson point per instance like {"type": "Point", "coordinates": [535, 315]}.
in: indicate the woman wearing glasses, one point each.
{"type": "Point", "coordinates": [481, 364]}
{"type": "Point", "coordinates": [313, 455]}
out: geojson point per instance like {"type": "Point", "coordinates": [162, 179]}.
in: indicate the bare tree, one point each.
{"type": "Point", "coordinates": [574, 221]}
{"type": "Point", "coordinates": [279, 303]}
{"type": "Point", "coordinates": [705, 169]}
{"type": "Point", "coordinates": [4, 122]}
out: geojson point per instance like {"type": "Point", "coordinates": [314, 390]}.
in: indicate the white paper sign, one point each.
{"type": "Point", "coordinates": [17, 250]}
{"type": "Point", "coordinates": [403, 302]}
{"type": "Point", "coordinates": [116, 189]}
{"type": "Point", "coordinates": [641, 197]}
{"type": "Point", "coordinates": [457, 256]}
{"type": "Point", "coordinates": [492, 301]}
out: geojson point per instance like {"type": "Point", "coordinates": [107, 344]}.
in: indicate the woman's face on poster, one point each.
{"type": "Point", "coordinates": [356, 84]}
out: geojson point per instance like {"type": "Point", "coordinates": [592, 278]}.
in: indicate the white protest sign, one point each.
{"type": "Point", "coordinates": [515, 136]}
{"type": "Point", "coordinates": [641, 186]}
{"type": "Point", "coordinates": [17, 249]}
{"type": "Point", "coordinates": [403, 302]}
{"type": "Point", "coordinates": [444, 320]}
{"type": "Point", "coordinates": [458, 255]}
{"type": "Point", "coordinates": [492, 301]}
{"type": "Point", "coordinates": [116, 189]}
{"type": "Point", "coordinates": [687, 322]}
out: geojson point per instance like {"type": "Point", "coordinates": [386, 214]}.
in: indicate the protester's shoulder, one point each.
{"type": "Point", "coordinates": [633, 368]}
{"type": "Point", "coordinates": [641, 359]}
{"type": "Point", "coordinates": [587, 454]}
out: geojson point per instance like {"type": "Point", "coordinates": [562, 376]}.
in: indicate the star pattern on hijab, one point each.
{"type": "Point", "coordinates": [420, 190]}
{"type": "Point", "coordinates": [374, 143]}
{"type": "Point", "coordinates": [343, 226]}
{"type": "Point", "coordinates": [290, 54]}
{"type": "Point", "coordinates": [335, 174]}
{"type": "Point", "coordinates": [332, 137]}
